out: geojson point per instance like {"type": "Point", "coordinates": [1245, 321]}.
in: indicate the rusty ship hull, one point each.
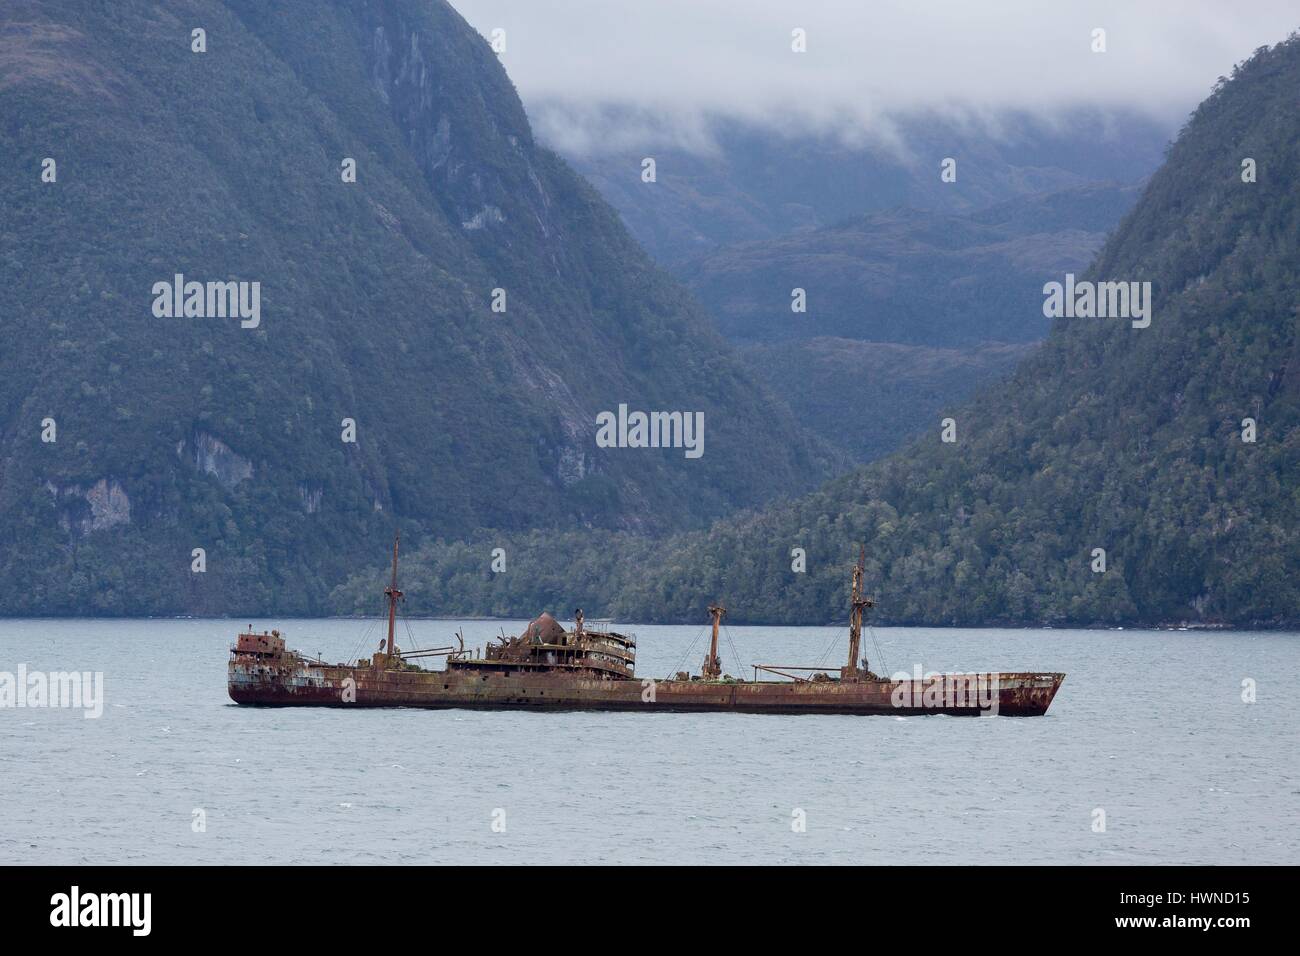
{"type": "Point", "coordinates": [306, 683]}
{"type": "Point", "coordinates": [590, 667]}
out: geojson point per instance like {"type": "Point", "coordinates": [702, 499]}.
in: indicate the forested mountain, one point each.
{"type": "Point", "coordinates": [211, 140]}
{"type": "Point", "coordinates": [1110, 437]}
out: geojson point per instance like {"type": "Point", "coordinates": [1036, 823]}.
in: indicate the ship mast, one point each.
{"type": "Point", "coordinates": [850, 672]}
{"type": "Point", "coordinates": [712, 668]}
{"type": "Point", "coordinates": [393, 594]}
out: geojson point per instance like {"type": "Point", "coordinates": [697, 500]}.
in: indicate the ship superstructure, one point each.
{"type": "Point", "coordinates": [592, 667]}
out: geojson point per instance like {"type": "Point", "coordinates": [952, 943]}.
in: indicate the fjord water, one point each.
{"type": "Point", "coordinates": [1149, 727]}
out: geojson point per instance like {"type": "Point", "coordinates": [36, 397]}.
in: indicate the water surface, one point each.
{"type": "Point", "coordinates": [1149, 727]}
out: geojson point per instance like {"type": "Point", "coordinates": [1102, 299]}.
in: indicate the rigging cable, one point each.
{"type": "Point", "coordinates": [880, 655]}
{"type": "Point", "coordinates": [360, 645]}
{"type": "Point", "coordinates": [830, 647]}
{"type": "Point", "coordinates": [687, 653]}
{"type": "Point", "coordinates": [740, 665]}
{"type": "Point", "coordinates": [409, 633]}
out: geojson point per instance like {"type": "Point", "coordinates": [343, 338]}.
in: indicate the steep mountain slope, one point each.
{"type": "Point", "coordinates": [376, 306]}
{"type": "Point", "coordinates": [1108, 437]}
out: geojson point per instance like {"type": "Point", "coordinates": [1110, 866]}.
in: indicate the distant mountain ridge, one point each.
{"type": "Point", "coordinates": [908, 312]}
{"type": "Point", "coordinates": [755, 183]}
{"type": "Point", "coordinates": [910, 276]}
{"type": "Point", "coordinates": [884, 250]}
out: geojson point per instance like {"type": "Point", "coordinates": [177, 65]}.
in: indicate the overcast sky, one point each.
{"type": "Point", "coordinates": [682, 59]}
